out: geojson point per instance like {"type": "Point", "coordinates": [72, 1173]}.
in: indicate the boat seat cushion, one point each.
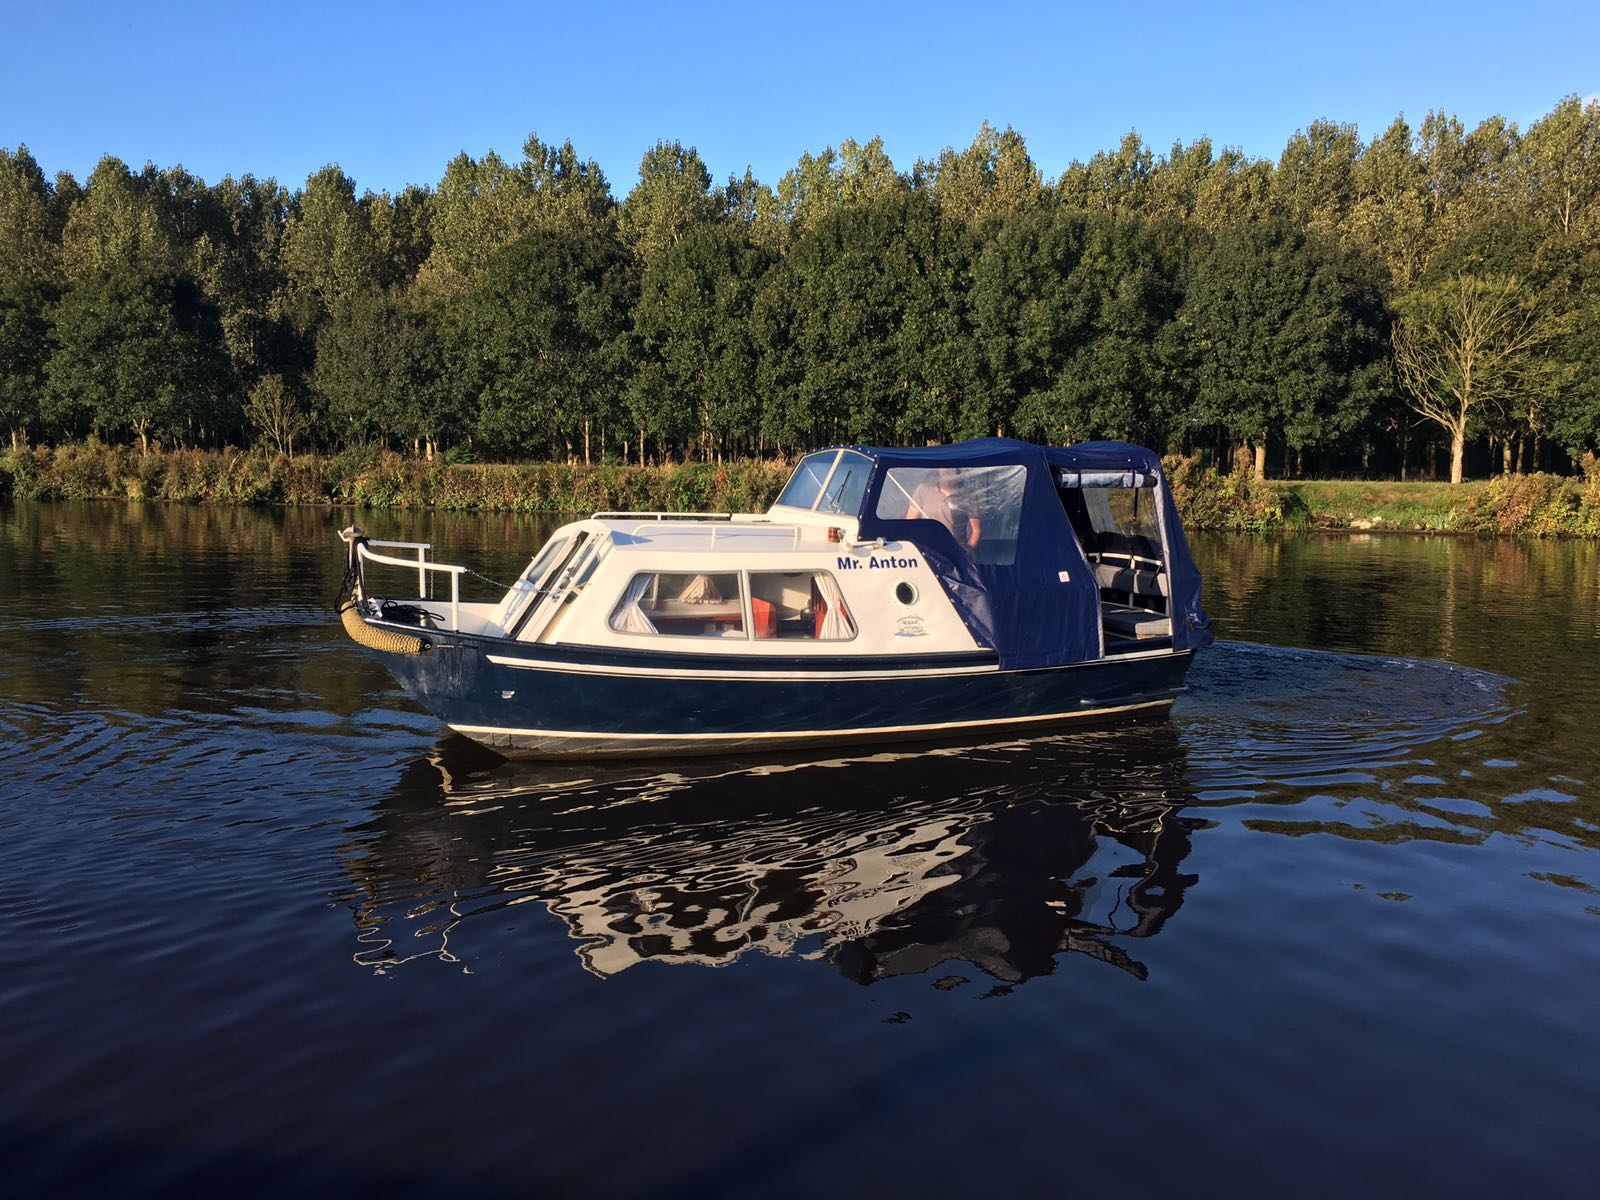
{"type": "Point", "coordinates": [1135, 622]}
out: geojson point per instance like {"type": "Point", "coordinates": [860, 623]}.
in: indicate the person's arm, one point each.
{"type": "Point", "coordinates": [974, 528]}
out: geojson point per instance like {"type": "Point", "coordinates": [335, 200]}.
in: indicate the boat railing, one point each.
{"type": "Point", "coordinates": [661, 516]}
{"type": "Point", "coordinates": [739, 530]}
{"type": "Point", "coordinates": [659, 519]}
{"type": "Point", "coordinates": [419, 563]}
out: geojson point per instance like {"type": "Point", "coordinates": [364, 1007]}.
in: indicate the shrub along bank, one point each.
{"type": "Point", "coordinates": [1540, 505]}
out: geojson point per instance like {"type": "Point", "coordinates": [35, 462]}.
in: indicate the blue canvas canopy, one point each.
{"type": "Point", "coordinates": [1038, 604]}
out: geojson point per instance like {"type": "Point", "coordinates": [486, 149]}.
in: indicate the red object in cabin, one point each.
{"type": "Point", "coordinates": [765, 617]}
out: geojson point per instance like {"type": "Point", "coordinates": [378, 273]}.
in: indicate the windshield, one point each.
{"type": "Point", "coordinates": [832, 481]}
{"type": "Point", "coordinates": [849, 483]}
{"type": "Point", "coordinates": [806, 483]}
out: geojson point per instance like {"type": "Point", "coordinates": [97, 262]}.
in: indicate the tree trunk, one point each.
{"type": "Point", "coordinates": [1458, 451]}
{"type": "Point", "coordinates": [1261, 460]}
{"type": "Point", "coordinates": [586, 442]}
{"type": "Point", "coordinates": [1508, 455]}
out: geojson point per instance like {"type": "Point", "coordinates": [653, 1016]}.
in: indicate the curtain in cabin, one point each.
{"type": "Point", "coordinates": [630, 618]}
{"type": "Point", "coordinates": [702, 589]}
{"type": "Point", "coordinates": [835, 624]}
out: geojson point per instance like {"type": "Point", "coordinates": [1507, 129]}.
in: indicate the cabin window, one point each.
{"type": "Point", "coordinates": [522, 592]}
{"type": "Point", "coordinates": [704, 604]}
{"type": "Point", "coordinates": [534, 584]}
{"type": "Point", "coordinates": [980, 506]}
{"type": "Point", "coordinates": [804, 605]}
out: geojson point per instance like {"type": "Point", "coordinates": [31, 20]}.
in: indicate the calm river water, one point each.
{"type": "Point", "coordinates": [1332, 929]}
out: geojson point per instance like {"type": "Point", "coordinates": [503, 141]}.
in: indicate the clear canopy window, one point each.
{"type": "Point", "coordinates": [980, 506]}
{"type": "Point", "coordinates": [799, 604]}
{"type": "Point", "coordinates": [702, 604]}
{"type": "Point", "coordinates": [831, 481]}
{"type": "Point", "coordinates": [1129, 511]}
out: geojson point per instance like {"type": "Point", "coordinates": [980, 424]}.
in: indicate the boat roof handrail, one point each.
{"type": "Point", "coordinates": [649, 515]}
{"type": "Point", "coordinates": [765, 530]}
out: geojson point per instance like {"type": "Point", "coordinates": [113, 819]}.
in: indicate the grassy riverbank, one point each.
{"type": "Point", "coordinates": [1538, 505]}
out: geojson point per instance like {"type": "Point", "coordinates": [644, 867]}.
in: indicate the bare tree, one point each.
{"type": "Point", "coordinates": [1467, 347]}
{"type": "Point", "coordinates": [278, 413]}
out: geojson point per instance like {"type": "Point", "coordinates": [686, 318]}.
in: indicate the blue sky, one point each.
{"type": "Point", "coordinates": [391, 91]}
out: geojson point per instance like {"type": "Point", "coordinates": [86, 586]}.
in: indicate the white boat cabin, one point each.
{"type": "Point", "coordinates": [862, 554]}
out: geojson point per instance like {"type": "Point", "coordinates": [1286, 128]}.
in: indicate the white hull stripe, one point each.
{"type": "Point", "coordinates": [866, 731]}
{"type": "Point", "coordinates": [756, 675]}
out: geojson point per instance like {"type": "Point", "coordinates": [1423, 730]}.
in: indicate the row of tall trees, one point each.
{"type": "Point", "coordinates": [1429, 296]}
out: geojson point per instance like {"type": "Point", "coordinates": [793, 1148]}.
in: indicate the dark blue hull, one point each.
{"type": "Point", "coordinates": [565, 700]}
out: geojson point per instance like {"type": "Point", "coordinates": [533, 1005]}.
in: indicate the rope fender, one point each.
{"type": "Point", "coordinates": [377, 639]}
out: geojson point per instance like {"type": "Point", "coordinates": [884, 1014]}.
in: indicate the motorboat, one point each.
{"type": "Point", "coordinates": [981, 588]}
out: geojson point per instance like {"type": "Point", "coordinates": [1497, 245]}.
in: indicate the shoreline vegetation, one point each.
{"type": "Point", "coordinates": [1537, 505]}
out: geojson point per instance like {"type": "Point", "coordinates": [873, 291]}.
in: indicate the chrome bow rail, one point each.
{"type": "Point", "coordinates": [362, 554]}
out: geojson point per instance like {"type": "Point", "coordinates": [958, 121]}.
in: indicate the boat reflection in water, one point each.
{"type": "Point", "coordinates": [1005, 857]}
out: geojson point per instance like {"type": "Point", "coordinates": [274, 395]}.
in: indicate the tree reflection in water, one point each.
{"type": "Point", "coordinates": [1004, 856]}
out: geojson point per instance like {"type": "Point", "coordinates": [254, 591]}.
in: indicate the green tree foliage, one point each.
{"type": "Point", "coordinates": [1563, 167]}
{"type": "Point", "coordinates": [991, 179]}
{"type": "Point", "coordinates": [820, 186]}
{"type": "Point", "coordinates": [1068, 308]}
{"type": "Point", "coordinates": [673, 198]}
{"type": "Point", "coordinates": [139, 355]}
{"type": "Point", "coordinates": [1389, 209]}
{"type": "Point", "coordinates": [1574, 414]}
{"type": "Point", "coordinates": [329, 252]}
{"type": "Point", "coordinates": [25, 347]}
{"type": "Point", "coordinates": [541, 344]}
{"type": "Point", "coordinates": [695, 376]}
{"type": "Point", "coordinates": [124, 222]}
{"type": "Point", "coordinates": [237, 247]}
{"type": "Point", "coordinates": [1111, 180]}
{"type": "Point", "coordinates": [876, 342]}
{"type": "Point", "coordinates": [482, 206]}
{"type": "Point", "coordinates": [1208, 191]}
{"type": "Point", "coordinates": [380, 374]}
{"type": "Point", "coordinates": [1284, 337]}
{"type": "Point", "coordinates": [1315, 183]}
{"type": "Point", "coordinates": [30, 250]}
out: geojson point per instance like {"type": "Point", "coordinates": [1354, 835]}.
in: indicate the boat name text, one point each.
{"type": "Point", "coordinates": [892, 561]}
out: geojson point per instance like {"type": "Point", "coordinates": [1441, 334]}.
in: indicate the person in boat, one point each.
{"type": "Point", "coordinates": [941, 500]}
